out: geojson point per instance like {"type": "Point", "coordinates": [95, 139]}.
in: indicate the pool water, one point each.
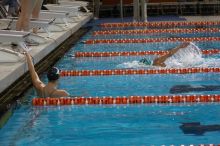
{"type": "Point", "coordinates": [160, 35]}
{"type": "Point", "coordinates": [102, 63]}
{"type": "Point", "coordinates": [108, 125]}
{"type": "Point", "coordinates": [138, 47]}
{"type": "Point", "coordinates": [151, 124]}
{"type": "Point", "coordinates": [161, 27]}
{"type": "Point", "coordinates": [135, 84]}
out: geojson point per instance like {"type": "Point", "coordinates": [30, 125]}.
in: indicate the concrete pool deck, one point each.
{"type": "Point", "coordinates": [10, 72]}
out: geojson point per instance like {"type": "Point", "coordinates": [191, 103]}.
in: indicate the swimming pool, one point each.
{"type": "Point", "coordinates": [151, 124]}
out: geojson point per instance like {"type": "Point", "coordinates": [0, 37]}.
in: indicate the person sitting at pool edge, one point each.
{"type": "Point", "coordinates": [160, 61]}
{"type": "Point", "coordinates": [53, 76]}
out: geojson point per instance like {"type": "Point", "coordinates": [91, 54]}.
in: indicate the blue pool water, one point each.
{"type": "Point", "coordinates": [158, 27]}
{"type": "Point", "coordinates": [135, 85]}
{"type": "Point", "coordinates": [152, 124]}
{"type": "Point", "coordinates": [108, 125]}
{"type": "Point", "coordinates": [103, 63]}
{"type": "Point", "coordinates": [156, 35]}
{"type": "Point", "coordinates": [138, 47]}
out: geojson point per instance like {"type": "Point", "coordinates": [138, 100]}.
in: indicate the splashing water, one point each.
{"type": "Point", "coordinates": [187, 57]}
{"type": "Point", "coordinates": [133, 64]}
{"type": "Point", "coordinates": [191, 56]}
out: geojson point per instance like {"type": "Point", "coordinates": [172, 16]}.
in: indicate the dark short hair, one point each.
{"type": "Point", "coordinates": [53, 74]}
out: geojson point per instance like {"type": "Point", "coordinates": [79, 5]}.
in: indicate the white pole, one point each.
{"type": "Point", "coordinates": [121, 9]}
{"type": "Point", "coordinates": [143, 10]}
{"type": "Point", "coordinates": [136, 10]}
{"type": "Point", "coordinates": [96, 8]}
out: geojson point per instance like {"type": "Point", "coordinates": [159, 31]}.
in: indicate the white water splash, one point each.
{"type": "Point", "coordinates": [190, 56]}
{"type": "Point", "coordinates": [210, 62]}
{"type": "Point", "coordinates": [133, 64]}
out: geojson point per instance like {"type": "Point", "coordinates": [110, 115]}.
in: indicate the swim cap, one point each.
{"type": "Point", "coordinates": [53, 74]}
{"type": "Point", "coordinates": [146, 61]}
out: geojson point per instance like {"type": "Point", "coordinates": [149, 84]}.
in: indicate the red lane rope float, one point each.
{"type": "Point", "coordinates": [126, 100]}
{"type": "Point", "coordinates": [160, 24]}
{"type": "Point", "coordinates": [147, 31]}
{"type": "Point", "coordinates": [134, 53]}
{"type": "Point", "coordinates": [137, 71]}
{"type": "Point", "coordinates": [151, 40]}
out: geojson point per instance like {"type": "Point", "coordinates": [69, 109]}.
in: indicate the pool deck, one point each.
{"type": "Point", "coordinates": [10, 72]}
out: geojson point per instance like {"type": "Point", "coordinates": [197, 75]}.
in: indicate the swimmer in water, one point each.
{"type": "Point", "coordinates": [160, 61]}
{"type": "Point", "coordinates": [45, 90]}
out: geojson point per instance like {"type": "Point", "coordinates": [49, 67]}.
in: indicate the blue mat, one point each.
{"type": "Point", "coordinates": [130, 19]}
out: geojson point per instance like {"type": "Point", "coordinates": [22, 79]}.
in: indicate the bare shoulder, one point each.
{"type": "Point", "coordinates": [61, 93]}
{"type": "Point", "coordinates": [40, 87]}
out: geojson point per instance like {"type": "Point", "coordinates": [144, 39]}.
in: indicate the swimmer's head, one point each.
{"type": "Point", "coordinates": [146, 61]}
{"type": "Point", "coordinates": [53, 74]}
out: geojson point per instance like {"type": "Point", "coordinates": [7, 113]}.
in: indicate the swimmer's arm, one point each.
{"type": "Point", "coordinates": [34, 77]}
{"type": "Point", "coordinates": [174, 50]}
{"type": "Point", "coordinates": [160, 60]}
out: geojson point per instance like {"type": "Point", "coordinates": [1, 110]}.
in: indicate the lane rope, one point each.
{"type": "Point", "coordinates": [126, 100]}
{"type": "Point", "coordinates": [149, 31]}
{"type": "Point", "coordinates": [64, 73]}
{"type": "Point", "coordinates": [160, 24]}
{"type": "Point", "coordinates": [134, 53]}
{"type": "Point", "coordinates": [150, 40]}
